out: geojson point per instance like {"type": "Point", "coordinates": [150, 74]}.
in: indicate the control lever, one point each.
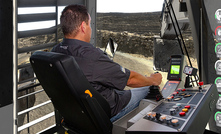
{"type": "Point", "coordinates": [200, 87]}
{"type": "Point", "coordinates": [154, 93]}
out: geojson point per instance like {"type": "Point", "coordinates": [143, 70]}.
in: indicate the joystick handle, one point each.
{"type": "Point", "coordinates": [154, 92]}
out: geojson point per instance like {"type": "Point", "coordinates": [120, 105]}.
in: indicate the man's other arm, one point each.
{"type": "Point", "coordinates": [138, 80]}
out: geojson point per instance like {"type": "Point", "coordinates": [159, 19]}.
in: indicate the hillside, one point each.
{"type": "Point", "coordinates": [130, 30]}
{"type": "Point", "coordinates": [139, 23]}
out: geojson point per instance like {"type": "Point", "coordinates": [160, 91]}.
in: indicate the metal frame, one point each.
{"type": "Point", "coordinates": [203, 40]}
{"type": "Point", "coordinates": [9, 51]}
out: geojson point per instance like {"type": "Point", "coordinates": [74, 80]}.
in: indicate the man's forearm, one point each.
{"type": "Point", "coordinates": [138, 80]}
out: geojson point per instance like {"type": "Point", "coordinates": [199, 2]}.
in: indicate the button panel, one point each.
{"type": "Point", "coordinates": [178, 112]}
{"type": "Point", "coordinates": [174, 110]}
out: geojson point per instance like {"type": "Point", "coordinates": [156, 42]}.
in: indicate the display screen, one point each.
{"type": "Point", "coordinates": [175, 69]}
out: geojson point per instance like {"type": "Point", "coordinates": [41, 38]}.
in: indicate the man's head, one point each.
{"type": "Point", "coordinates": [75, 23]}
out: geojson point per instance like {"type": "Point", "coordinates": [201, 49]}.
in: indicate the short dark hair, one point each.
{"type": "Point", "coordinates": [71, 18]}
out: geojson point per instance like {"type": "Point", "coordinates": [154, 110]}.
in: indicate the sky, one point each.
{"type": "Point", "coordinates": [129, 6]}
{"type": "Point", "coordinates": [104, 6]}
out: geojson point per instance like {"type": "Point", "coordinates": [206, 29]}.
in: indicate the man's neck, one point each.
{"type": "Point", "coordinates": [76, 37]}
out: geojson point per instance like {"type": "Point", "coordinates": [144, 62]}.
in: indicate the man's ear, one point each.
{"type": "Point", "coordinates": [83, 27]}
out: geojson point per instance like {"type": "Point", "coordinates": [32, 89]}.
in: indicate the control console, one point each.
{"type": "Point", "coordinates": [185, 110]}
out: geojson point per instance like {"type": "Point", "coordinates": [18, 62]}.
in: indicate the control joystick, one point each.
{"type": "Point", "coordinates": [154, 93]}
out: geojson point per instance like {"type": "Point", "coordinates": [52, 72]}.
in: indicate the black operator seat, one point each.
{"type": "Point", "coordinates": [83, 109]}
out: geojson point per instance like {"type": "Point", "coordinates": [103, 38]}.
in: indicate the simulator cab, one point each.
{"type": "Point", "coordinates": [182, 106]}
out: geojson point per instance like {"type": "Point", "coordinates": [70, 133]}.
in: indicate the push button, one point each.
{"type": "Point", "coordinates": [188, 95]}
{"type": "Point", "coordinates": [179, 105]}
{"type": "Point", "coordinates": [163, 118]}
{"type": "Point", "coordinates": [169, 98]}
{"type": "Point", "coordinates": [179, 89]}
{"type": "Point", "coordinates": [188, 107]}
{"type": "Point", "coordinates": [172, 111]}
{"type": "Point", "coordinates": [182, 113]}
{"type": "Point", "coordinates": [168, 119]}
{"type": "Point", "coordinates": [175, 122]}
{"type": "Point", "coordinates": [182, 94]}
{"type": "Point", "coordinates": [175, 93]}
{"type": "Point", "coordinates": [176, 107]}
{"type": "Point", "coordinates": [177, 99]}
{"type": "Point", "coordinates": [185, 110]}
{"type": "Point", "coordinates": [151, 115]}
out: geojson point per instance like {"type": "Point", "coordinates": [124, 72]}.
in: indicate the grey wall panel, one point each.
{"type": "Point", "coordinates": [68, 2]}
{"type": "Point", "coordinates": [6, 116]}
{"type": "Point", "coordinates": [6, 53]}
{"type": "Point", "coordinates": [92, 9]}
{"type": "Point", "coordinates": [6, 67]}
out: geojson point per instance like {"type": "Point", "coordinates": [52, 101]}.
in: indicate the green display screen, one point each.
{"type": "Point", "coordinates": [175, 69]}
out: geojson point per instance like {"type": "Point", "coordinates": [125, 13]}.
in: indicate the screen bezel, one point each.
{"type": "Point", "coordinates": [176, 60]}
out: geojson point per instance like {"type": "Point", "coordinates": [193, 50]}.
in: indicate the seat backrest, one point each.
{"type": "Point", "coordinates": [81, 106]}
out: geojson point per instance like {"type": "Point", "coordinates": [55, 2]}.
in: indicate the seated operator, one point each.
{"type": "Point", "coordinates": [106, 76]}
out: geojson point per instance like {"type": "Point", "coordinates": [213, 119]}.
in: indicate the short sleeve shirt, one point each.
{"type": "Point", "coordinates": [106, 76]}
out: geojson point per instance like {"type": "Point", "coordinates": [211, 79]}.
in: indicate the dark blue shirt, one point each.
{"type": "Point", "coordinates": [106, 76]}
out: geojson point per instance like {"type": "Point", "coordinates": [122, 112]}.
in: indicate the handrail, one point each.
{"type": "Point", "coordinates": [34, 107]}
{"type": "Point", "coordinates": [26, 88]}
{"type": "Point", "coordinates": [35, 121]}
{"type": "Point", "coordinates": [31, 79]}
{"type": "Point", "coordinates": [24, 65]}
{"type": "Point", "coordinates": [33, 93]}
{"type": "Point", "coordinates": [26, 85]}
{"type": "Point", "coordinates": [36, 17]}
{"type": "Point", "coordinates": [36, 3]}
{"type": "Point", "coordinates": [30, 33]}
{"type": "Point", "coordinates": [34, 48]}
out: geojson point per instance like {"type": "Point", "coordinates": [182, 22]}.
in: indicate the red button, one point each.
{"type": "Point", "coordinates": [179, 89]}
{"type": "Point", "coordinates": [172, 97]}
{"type": "Point", "coordinates": [169, 98]}
{"type": "Point", "coordinates": [188, 107]}
{"type": "Point", "coordinates": [182, 113]}
{"type": "Point", "coordinates": [183, 89]}
{"type": "Point", "coordinates": [200, 83]}
{"type": "Point", "coordinates": [174, 93]}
